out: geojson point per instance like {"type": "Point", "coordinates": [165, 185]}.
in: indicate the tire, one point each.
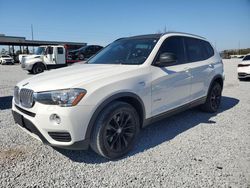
{"type": "Point", "coordinates": [81, 57]}
{"type": "Point", "coordinates": [213, 99]}
{"type": "Point", "coordinates": [115, 131]}
{"type": "Point", "coordinates": [37, 68]}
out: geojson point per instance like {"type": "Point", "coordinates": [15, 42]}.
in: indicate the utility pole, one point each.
{"type": "Point", "coordinates": [165, 29]}
{"type": "Point", "coordinates": [32, 36]}
{"type": "Point", "coordinates": [239, 48]}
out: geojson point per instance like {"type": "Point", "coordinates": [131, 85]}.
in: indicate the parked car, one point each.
{"type": "Point", "coordinates": [84, 52]}
{"type": "Point", "coordinates": [131, 83]}
{"type": "Point", "coordinates": [6, 59]}
{"type": "Point", "coordinates": [244, 68]}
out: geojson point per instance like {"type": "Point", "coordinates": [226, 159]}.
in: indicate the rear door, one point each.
{"type": "Point", "coordinates": [171, 85]}
{"type": "Point", "coordinates": [60, 56]}
{"type": "Point", "coordinates": [201, 64]}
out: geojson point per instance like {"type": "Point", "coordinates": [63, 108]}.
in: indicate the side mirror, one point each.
{"type": "Point", "coordinates": [166, 59]}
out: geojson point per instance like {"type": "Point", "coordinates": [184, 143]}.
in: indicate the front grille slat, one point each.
{"type": "Point", "coordinates": [24, 97]}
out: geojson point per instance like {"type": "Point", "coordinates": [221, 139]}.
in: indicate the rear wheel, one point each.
{"type": "Point", "coordinates": [213, 98]}
{"type": "Point", "coordinates": [37, 68]}
{"type": "Point", "coordinates": [116, 130]}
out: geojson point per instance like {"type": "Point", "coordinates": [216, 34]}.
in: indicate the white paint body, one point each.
{"type": "Point", "coordinates": [6, 59]}
{"type": "Point", "coordinates": [160, 89]}
{"type": "Point", "coordinates": [244, 69]}
{"type": "Point", "coordinates": [47, 59]}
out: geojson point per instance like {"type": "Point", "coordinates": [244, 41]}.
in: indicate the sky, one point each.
{"type": "Point", "coordinates": [225, 23]}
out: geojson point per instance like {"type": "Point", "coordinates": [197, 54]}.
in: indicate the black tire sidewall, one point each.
{"type": "Point", "coordinates": [102, 123]}
{"type": "Point", "coordinates": [37, 66]}
{"type": "Point", "coordinates": [210, 95]}
{"type": "Point", "coordinates": [81, 57]}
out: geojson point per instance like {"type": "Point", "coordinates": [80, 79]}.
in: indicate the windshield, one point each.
{"type": "Point", "coordinates": [40, 51]}
{"type": "Point", "coordinates": [130, 51]}
{"type": "Point", "coordinates": [5, 56]}
{"type": "Point", "coordinates": [247, 57]}
{"type": "Point", "coordinates": [78, 50]}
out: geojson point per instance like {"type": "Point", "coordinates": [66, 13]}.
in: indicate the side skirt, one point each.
{"type": "Point", "coordinates": [174, 111]}
{"type": "Point", "coordinates": [55, 66]}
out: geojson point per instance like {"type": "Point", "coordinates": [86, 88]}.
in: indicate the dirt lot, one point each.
{"type": "Point", "coordinates": [191, 149]}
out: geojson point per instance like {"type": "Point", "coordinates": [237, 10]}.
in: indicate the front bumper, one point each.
{"type": "Point", "coordinates": [244, 72]}
{"type": "Point", "coordinates": [69, 134]}
{"type": "Point", "coordinates": [26, 66]}
{"type": "Point", "coordinates": [7, 62]}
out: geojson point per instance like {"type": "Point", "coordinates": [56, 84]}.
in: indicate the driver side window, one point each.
{"type": "Point", "coordinates": [173, 45]}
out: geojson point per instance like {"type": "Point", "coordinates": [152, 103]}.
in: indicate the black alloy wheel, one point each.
{"type": "Point", "coordinates": [116, 130]}
{"type": "Point", "coordinates": [215, 98]}
{"type": "Point", "coordinates": [119, 131]}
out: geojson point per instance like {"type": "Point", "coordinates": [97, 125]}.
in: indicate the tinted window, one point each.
{"type": "Point", "coordinates": [60, 50]}
{"type": "Point", "coordinates": [49, 50]}
{"type": "Point", "coordinates": [246, 58]}
{"type": "Point", "coordinates": [97, 48]}
{"type": "Point", "coordinates": [173, 45]}
{"type": "Point", "coordinates": [90, 49]}
{"type": "Point", "coordinates": [209, 49]}
{"type": "Point", "coordinates": [195, 50]}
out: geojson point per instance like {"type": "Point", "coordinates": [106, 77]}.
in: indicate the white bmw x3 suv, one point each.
{"type": "Point", "coordinates": [128, 85]}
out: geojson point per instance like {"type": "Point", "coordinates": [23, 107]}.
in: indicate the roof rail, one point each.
{"type": "Point", "coordinates": [174, 32]}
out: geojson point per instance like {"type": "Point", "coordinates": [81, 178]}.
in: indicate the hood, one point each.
{"type": "Point", "coordinates": [32, 56]}
{"type": "Point", "coordinates": [73, 76]}
{"type": "Point", "coordinates": [29, 57]}
{"type": "Point", "coordinates": [7, 59]}
{"type": "Point", "coordinates": [245, 62]}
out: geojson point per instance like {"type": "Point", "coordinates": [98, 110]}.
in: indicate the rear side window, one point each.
{"type": "Point", "coordinates": [195, 50]}
{"type": "Point", "coordinates": [198, 50]}
{"type": "Point", "coordinates": [60, 50]}
{"type": "Point", "coordinates": [174, 45]}
{"type": "Point", "coordinates": [209, 49]}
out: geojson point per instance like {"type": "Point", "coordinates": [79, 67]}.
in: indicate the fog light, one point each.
{"type": "Point", "coordinates": [55, 118]}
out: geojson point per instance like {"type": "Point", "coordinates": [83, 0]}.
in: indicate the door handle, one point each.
{"type": "Point", "coordinates": [211, 66]}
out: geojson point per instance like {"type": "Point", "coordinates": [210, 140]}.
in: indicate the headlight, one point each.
{"type": "Point", "coordinates": [66, 97]}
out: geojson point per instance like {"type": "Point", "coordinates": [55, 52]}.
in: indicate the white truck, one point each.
{"type": "Point", "coordinates": [52, 57]}
{"type": "Point", "coordinates": [38, 54]}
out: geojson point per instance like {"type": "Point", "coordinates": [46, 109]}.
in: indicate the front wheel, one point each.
{"type": "Point", "coordinates": [116, 130]}
{"type": "Point", "coordinates": [81, 57]}
{"type": "Point", "coordinates": [213, 99]}
{"type": "Point", "coordinates": [37, 68]}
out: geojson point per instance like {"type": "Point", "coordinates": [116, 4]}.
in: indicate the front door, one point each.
{"type": "Point", "coordinates": [171, 85]}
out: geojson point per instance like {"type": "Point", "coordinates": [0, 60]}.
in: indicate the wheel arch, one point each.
{"type": "Point", "coordinates": [128, 97]}
{"type": "Point", "coordinates": [40, 63]}
{"type": "Point", "coordinates": [218, 78]}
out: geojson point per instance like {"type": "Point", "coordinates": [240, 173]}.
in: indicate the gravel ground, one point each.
{"type": "Point", "coordinates": [192, 149]}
